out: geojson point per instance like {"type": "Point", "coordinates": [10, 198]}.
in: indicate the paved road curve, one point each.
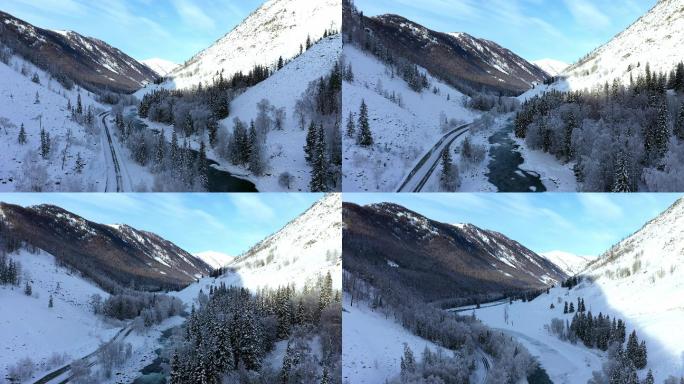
{"type": "Point", "coordinates": [115, 159]}
{"type": "Point", "coordinates": [421, 173]}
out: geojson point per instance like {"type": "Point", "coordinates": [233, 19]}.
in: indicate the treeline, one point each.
{"type": "Point", "coordinates": [622, 138]}
{"type": "Point", "coordinates": [228, 337]}
{"type": "Point", "coordinates": [146, 308]}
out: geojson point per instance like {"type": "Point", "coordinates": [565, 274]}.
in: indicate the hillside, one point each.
{"type": "Point", "coordinates": [403, 129]}
{"type": "Point", "coordinates": [655, 39]}
{"type": "Point", "coordinates": [111, 255]}
{"type": "Point", "coordinates": [307, 248]}
{"type": "Point", "coordinates": [160, 66]}
{"type": "Point", "coordinates": [551, 66]}
{"type": "Point", "coordinates": [90, 62]}
{"type": "Point", "coordinates": [440, 261]}
{"type": "Point", "coordinates": [214, 259]}
{"type": "Point", "coordinates": [274, 30]}
{"type": "Point", "coordinates": [638, 280]}
{"type": "Point", "coordinates": [28, 325]}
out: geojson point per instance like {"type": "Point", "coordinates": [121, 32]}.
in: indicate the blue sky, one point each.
{"type": "Point", "coordinates": [228, 223]}
{"type": "Point", "coordinates": [563, 30]}
{"type": "Point", "coordinates": [581, 223]}
{"type": "Point", "coordinates": [169, 29]}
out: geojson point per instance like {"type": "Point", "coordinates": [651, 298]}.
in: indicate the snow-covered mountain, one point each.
{"type": "Point", "coordinates": [305, 249]}
{"type": "Point", "coordinates": [90, 62]}
{"type": "Point", "coordinates": [160, 66]}
{"type": "Point", "coordinates": [551, 66]}
{"type": "Point", "coordinates": [570, 263]}
{"type": "Point", "coordinates": [657, 38]}
{"type": "Point", "coordinates": [214, 259]}
{"type": "Point", "coordinates": [276, 29]}
{"type": "Point", "coordinates": [449, 260]}
{"type": "Point", "coordinates": [468, 62]}
{"type": "Point", "coordinates": [107, 254]}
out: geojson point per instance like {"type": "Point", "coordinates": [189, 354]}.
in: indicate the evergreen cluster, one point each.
{"type": "Point", "coordinates": [571, 282]}
{"type": "Point", "coordinates": [9, 270]}
{"type": "Point", "coordinates": [233, 330]}
{"type": "Point", "coordinates": [617, 135]}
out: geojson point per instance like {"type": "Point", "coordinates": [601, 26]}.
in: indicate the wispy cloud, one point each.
{"type": "Point", "coordinates": [587, 14]}
{"type": "Point", "coordinates": [193, 15]}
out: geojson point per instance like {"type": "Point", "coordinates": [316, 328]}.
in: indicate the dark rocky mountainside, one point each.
{"type": "Point", "coordinates": [91, 63]}
{"type": "Point", "coordinates": [113, 256]}
{"type": "Point", "coordinates": [468, 63]}
{"type": "Point", "coordinates": [439, 261]}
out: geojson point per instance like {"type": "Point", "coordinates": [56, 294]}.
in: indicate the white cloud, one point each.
{"type": "Point", "coordinates": [586, 14]}
{"type": "Point", "coordinates": [193, 15]}
{"type": "Point", "coordinates": [600, 206]}
{"type": "Point", "coordinates": [252, 206]}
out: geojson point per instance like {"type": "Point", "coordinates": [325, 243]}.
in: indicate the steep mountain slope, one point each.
{"type": "Point", "coordinates": [22, 165]}
{"type": "Point", "coordinates": [551, 66]}
{"type": "Point", "coordinates": [569, 263]}
{"type": "Point", "coordinates": [467, 62]}
{"type": "Point", "coordinates": [657, 38]}
{"type": "Point", "coordinates": [639, 280]}
{"type": "Point", "coordinates": [402, 132]}
{"type": "Point", "coordinates": [31, 329]}
{"type": "Point", "coordinates": [305, 249]}
{"type": "Point", "coordinates": [90, 62]}
{"type": "Point", "coordinates": [449, 261]}
{"type": "Point", "coordinates": [214, 259]}
{"type": "Point", "coordinates": [160, 66]}
{"type": "Point", "coordinates": [274, 30]}
{"type": "Point", "coordinates": [111, 255]}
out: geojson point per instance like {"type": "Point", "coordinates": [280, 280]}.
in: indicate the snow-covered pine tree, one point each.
{"type": "Point", "coordinates": [22, 135]}
{"type": "Point", "coordinates": [365, 136]}
{"type": "Point", "coordinates": [79, 105]}
{"type": "Point", "coordinates": [351, 127]}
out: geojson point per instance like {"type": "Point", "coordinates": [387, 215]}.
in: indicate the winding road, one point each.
{"type": "Point", "coordinates": [419, 176]}
{"type": "Point", "coordinates": [115, 159]}
{"type": "Point", "coordinates": [63, 375]}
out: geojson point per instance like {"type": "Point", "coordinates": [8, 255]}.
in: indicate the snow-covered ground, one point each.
{"type": "Point", "coordinates": [160, 66]}
{"type": "Point", "coordinates": [402, 135]}
{"type": "Point", "coordinates": [551, 66]}
{"type": "Point", "coordinates": [374, 343]}
{"type": "Point", "coordinates": [638, 280]}
{"type": "Point", "coordinates": [564, 362]}
{"type": "Point", "coordinates": [28, 328]}
{"type": "Point", "coordinates": [18, 106]}
{"type": "Point", "coordinates": [556, 176]}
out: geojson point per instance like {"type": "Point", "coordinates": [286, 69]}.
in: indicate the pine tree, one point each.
{"type": "Point", "coordinates": [365, 138]}
{"type": "Point", "coordinates": [79, 106]}
{"type": "Point", "coordinates": [571, 308]}
{"type": "Point", "coordinates": [632, 349]}
{"type": "Point", "coordinates": [408, 362]}
{"type": "Point", "coordinates": [311, 140]}
{"type": "Point", "coordinates": [642, 356]}
{"type": "Point", "coordinates": [679, 124]}
{"type": "Point", "coordinates": [448, 179]}
{"type": "Point", "coordinates": [80, 164]}
{"type": "Point", "coordinates": [256, 161]}
{"type": "Point", "coordinates": [351, 128]}
{"type": "Point", "coordinates": [649, 378]}
{"type": "Point", "coordinates": [37, 100]}
{"type": "Point", "coordinates": [565, 308]}
{"type": "Point", "coordinates": [27, 289]}
{"type": "Point", "coordinates": [326, 293]}
{"type": "Point", "coordinates": [280, 63]}
{"type": "Point", "coordinates": [22, 135]}
{"type": "Point", "coordinates": [319, 164]}
{"type": "Point", "coordinates": [621, 179]}
{"type": "Point", "coordinates": [50, 302]}
{"type": "Point", "coordinates": [326, 376]}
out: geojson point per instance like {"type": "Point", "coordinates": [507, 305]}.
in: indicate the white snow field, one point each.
{"type": "Point", "coordinates": [18, 106]}
{"type": "Point", "coordinates": [28, 328]}
{"type": "Point", "coordinates": [306, 248]}
{"type": "Point", "coordinates": [274, 30]}
{"type": "Point", "coordinates": [402, 134]}
{"type": "Point", "coordinates": [373, 344]}
{"type": "Point", "coordinates": [638, 280]}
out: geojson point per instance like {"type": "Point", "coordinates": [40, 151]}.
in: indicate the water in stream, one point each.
{"type": "Point", "coordinates": [218, 180]}
{"type": "Point", "coordinates": [504, 169]}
